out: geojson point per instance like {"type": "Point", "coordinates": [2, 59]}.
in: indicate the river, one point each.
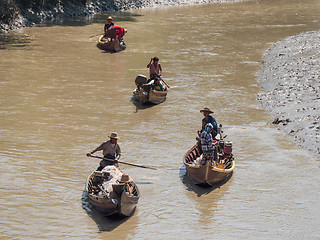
{"type": "Point", "coordinates": [61, 96]}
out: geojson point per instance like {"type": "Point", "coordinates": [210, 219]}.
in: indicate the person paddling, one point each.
{"type": "Point", "coordinates": [110, 150]}
{"type": "Point", "coordinates": [155, 69]}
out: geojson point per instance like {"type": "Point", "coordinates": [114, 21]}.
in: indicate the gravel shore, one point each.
{"type": "Point", "coordinates": [291, 83]}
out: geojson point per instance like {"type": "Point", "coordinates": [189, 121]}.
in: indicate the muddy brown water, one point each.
{"type": "Point", "coordinates": [61, 96]}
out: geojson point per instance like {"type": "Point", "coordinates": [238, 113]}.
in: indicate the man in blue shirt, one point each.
{"type": "Point", "coordinates": [209, 119]}
{"type": "Point", "coordinates": [108, 24]}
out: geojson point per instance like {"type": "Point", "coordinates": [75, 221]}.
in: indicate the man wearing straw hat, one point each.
{"type": "Point", "coordinates": [209, 119]}
{"type": "Point", "coordinates": [108, 24]}
{"type": "Point", "coordinates": [110, 150]}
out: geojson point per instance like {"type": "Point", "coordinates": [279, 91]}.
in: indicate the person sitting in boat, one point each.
{"type": "Point", "coordinates": [156, 85]}
{"type": "Point", "coordinates": [155, 69]}
{"type": "Point", "coordinates": [110, 149]}
{"type": "Point", "coordinates": [207, 145]}
{"type": "Point", "coordinates": [209, 119]}
{"type": "Point", "coordinates": [108, 24]}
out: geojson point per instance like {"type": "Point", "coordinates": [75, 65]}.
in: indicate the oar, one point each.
{"type": "Point", "coordinates": [165, 83]}
{"type": "Point", "coordinates": [131, 164]}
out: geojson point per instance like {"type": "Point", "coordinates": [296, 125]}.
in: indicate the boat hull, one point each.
{"type": "Point", "coordinates": [145, 93]}
{"type": "Point", "coordinates": [122, 200]}
{"type": "Point", "coordinates": [157, 97]}
{"type": "Point", "coordinates": [107, 44]}
{"type": "Point", "coordinates": [208, 174]}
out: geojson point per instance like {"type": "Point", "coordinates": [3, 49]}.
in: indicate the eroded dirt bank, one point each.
{"type": "Point", "coordinates": [291, 83]}
{"type": "Point", "coordinates": [13, 16]}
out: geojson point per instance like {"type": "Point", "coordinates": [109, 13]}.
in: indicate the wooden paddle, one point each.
{"type": "Point", "coordinates": [131, 164]}
{"type": "Point", "coordinates": [165, 83]}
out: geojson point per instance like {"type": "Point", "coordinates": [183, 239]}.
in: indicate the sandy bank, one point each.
{"type": "Point", "coordinates": [19, 18]}
{"type": "Point", "coordinates": [290, 78]}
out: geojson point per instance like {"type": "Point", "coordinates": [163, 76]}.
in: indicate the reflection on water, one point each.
{"type": "Point", "coordinates": [140, 106]}
{"type": "Point", "coordinates": [12, 41]}
{"type": "Point", "coordinates": [99, 18]}
{"type": "Point", "coordinates": [199, 189]}
{"type": "Point", "coordinates": [104, 223]}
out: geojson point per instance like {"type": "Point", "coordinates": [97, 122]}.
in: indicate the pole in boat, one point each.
{"type": "Point", "coordinates": [130, 164]}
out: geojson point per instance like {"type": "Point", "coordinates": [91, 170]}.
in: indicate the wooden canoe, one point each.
{"type": "Point", "coordinates": [144, 93]}
{"type": "Point", "coordinates": [209, 173]}
{"type": "Point", "coordinates": [112, 192]}
{"type": "Point", "coordinates": [110, 44]}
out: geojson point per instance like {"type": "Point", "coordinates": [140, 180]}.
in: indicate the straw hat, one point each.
{"type": "Point", "coordinates": [206, 110]}
{"type": "Point", "coordinates": [114, 135]}
{"type": "Point", "coordinates": [110, 18]}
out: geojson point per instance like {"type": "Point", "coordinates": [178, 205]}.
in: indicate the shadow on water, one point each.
{"type": "Point", "coordinates": [104, 223]}
{"type": "Point", "coordinates": [107, 51]}
{"type": "Point", "coordinates": [140, 106]}
{"type": "Point", "coordinates": [99, 18]}
{"type": "Point", "coordinates": [13, 41]}
{"type": "Point", "coordinates": [199, 189]}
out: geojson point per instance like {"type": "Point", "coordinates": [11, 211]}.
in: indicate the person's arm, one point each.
{"type": "Point", "coordinates": [203, 124]}
{"type": "Point", "coordinates": [215, 125]}
{"type": "Point", "coordinates": [95, 150]}
{"type": "Point", "coordinates": [149, 64]}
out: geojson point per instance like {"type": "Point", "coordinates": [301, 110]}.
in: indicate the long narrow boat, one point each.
{"type": "Point", "coordinates": [144, 93]}
{"type": "Point", "coordinates": [110, 44]}
{"type": "Point", "coordinates": [112, 192]}
{"type": "Point", "coordinates": [209, 173]}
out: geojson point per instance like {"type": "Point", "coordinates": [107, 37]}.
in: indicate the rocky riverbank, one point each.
{"type": "Point", "coordinates": [13, 16]}
{"type": "Point", "coordinates": [291, 83]}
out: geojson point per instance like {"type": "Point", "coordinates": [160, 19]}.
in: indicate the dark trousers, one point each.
{"type": "Point", "coordinates": [104, 163]}
{"type": "Point", "coordinates": [108, 163]}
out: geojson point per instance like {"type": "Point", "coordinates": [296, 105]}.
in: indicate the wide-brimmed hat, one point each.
{"type": "Point", "coordinates": [206, 110]}
{"type": "Point", "coordinates": [114, 135]}
{"type": "Point", "coordinates": [110, 18]}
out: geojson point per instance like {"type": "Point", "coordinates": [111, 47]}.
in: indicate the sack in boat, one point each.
{"type": "Point", "coordinates": [124, 177]}
{"type": "Point", "coordinates": [197, 161]}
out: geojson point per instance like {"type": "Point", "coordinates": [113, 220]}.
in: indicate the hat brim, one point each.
{"type": "Point", "coordinates": [204, 110]}
{"type": "Point", "coordinates": [114, 137]}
